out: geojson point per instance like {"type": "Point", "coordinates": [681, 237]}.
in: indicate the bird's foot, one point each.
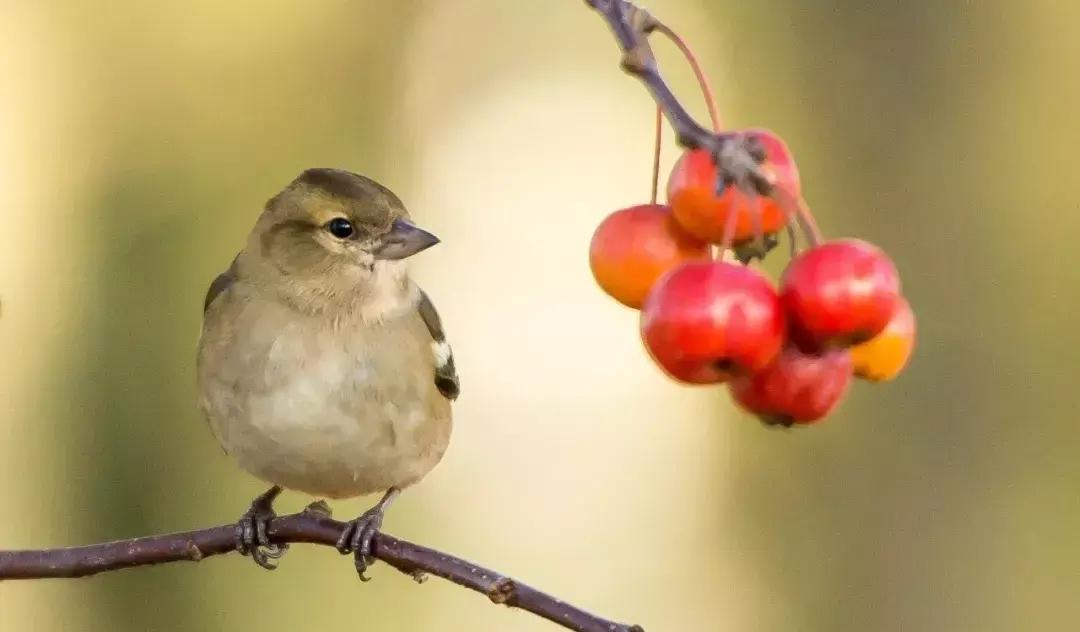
{"type": "Point", "coordinates": [251, 531]}
{"type": "Point", "coordinates": [357, 538]}
{"type": "Point", "coordinates": [359, 534]}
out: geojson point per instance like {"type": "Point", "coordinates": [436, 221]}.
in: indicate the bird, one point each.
{"type": "Point", "coordinates": [322, 367]}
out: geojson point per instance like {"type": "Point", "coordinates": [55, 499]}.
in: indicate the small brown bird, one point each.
{"type": "Point", "coordinates": [322, 367]}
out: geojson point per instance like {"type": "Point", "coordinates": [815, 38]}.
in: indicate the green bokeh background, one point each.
{"type": "Point", "coordinates": [138, 141]}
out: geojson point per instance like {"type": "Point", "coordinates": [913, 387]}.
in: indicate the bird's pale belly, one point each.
{"type": "Point", "coordinates": [320, 419]}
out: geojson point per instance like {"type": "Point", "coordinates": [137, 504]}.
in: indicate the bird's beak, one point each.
{"type": "Point", "coordinates": [403, 240]}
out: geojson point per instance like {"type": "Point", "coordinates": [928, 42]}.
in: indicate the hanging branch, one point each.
{"type": "Point", "coordinates": [306, 527]}
{"type": "Point", "coordinates": [737, 157]}
{"type": "Point", "coordinates": [631, 26]}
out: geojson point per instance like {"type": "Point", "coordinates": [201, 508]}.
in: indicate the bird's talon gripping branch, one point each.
{"type": "Point", "coordinates": [358, 536]}
{"type": "Point", "coordinates": [251, 531]}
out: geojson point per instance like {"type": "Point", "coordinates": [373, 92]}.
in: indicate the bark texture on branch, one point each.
{"type": "Point", "coordinates": [309, 528]}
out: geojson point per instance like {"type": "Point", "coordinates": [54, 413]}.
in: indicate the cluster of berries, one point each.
{"type": "Point", "coordinates": [787, 354]}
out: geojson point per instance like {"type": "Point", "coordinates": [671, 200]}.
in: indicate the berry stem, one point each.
{"type": "Point", "coordinates": [710, 103]}
{"type": "Point", "coordinates": [656, 153]}
{"type": "Point", "coordinates": [795, 206]}
{"type": "Point", "coordinates": [755, 221]}
{"type": "Point", "coordinates": [729, 232]}
{"type": "Point", "coordinates": [691, 58]}
{"type": "Point", "coordinates": [631, 26]}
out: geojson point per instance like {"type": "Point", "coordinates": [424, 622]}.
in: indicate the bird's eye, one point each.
{"type": "Point", "coordinates": [340, 227]}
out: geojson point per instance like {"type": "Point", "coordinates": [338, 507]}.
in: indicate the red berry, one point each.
{"type": "Point", "coordinates": [705, 322]}
{"type": "Point", "coordinates": [796, 387]}
{"type": "Point", "coordinates": [692, 193]}
{"type": "Point", "coordinates": [839, 294]}
{"type": "Point", "coordinates": [884, 357]}
{"type": "Point", "coordinates": [634, 247]}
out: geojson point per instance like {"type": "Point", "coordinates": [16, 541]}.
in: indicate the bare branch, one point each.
{"type": "Point", "coordinates": [192, 546]}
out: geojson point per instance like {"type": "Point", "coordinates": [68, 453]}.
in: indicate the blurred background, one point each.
{"type": "Point", "coordinates": [139, 140]}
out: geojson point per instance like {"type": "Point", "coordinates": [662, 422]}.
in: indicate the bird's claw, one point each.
{"type": "Point", "coordinates": [252, 538]}
{"type": "Point", "coordinates": [357, 539]}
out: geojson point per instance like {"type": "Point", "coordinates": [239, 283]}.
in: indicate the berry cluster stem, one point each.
{"type": "Point", "coordinates": [795, 208]}
{"type": "Point", "coordinates": [657, 143]}
{"type": "Point", "coordinates": [702, 79]}
{"type": "Point", "coordinates": [706, 93]}
{"type": "Point", "coordinates": [631, 25]}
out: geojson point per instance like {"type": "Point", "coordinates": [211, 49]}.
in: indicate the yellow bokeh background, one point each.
{"type": "Point", "coordinates": [139, 140]}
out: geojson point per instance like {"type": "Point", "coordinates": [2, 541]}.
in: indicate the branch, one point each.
{"type": "Point", "coordinates": [193, 546]}
{"type": "Point", "coordinates": [737, 157]}
{"type": "Point", "coordinates": [631, 26]}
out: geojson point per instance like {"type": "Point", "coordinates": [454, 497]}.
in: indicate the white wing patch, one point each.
{"type": "Point", "coordinates": [442, 352]}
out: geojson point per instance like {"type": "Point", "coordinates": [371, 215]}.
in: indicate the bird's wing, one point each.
{"type": "Point", "coordinates": [219, 285]}
{"type": "Point", "coordinates": [446, 378]}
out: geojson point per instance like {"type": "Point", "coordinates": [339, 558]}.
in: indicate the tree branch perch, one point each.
{"type": "Point", "coordinates": [310, 528]}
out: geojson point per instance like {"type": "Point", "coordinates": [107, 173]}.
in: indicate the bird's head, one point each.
{"type": "Point", "coordinates": [332, 234]}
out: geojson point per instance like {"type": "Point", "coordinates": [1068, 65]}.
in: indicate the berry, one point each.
{"type": "Point", "coordinates": [694, 201]}
{"type": "Point", "coordinates": [796, 387]}
{"type": "Point", "coordinates": [635, 246]}
{"type": "Point", "coordinates": [706, 322]}
{"type": "Point", "coordinates": [884, 356]}
{"type": "Point", "coordinates": [839, 294]}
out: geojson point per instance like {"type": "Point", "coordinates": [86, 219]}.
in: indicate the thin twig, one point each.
{"type": "Point", "coordinates": [192, 546]}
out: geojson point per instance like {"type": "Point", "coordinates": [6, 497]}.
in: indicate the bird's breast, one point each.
{"type": "Point", "coordinates": [331, 410]}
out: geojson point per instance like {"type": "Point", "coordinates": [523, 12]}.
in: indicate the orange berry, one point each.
{"type": "Point", "coordinates": [884, 356]}
{"type": "Point", "coordinates": [635, 246]}
{"type": "Point", "coordinates": [692, 193]}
